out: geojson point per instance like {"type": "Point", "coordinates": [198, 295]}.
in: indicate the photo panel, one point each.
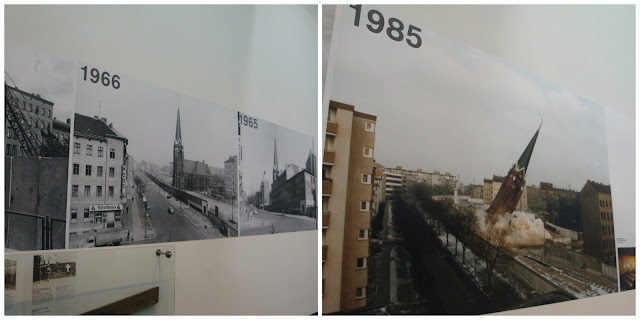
{"type": "Point", "coordinates": [149, 165]}
{"type": "Point", "coordinates": [277, 178]}
{"type": "Point", "coordinates": [38, 114]}
{"type": "Point", "coordinates": [495, 181]}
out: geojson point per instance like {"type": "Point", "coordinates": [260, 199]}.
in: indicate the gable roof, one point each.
{"type": "Point", "coordinates": [93, 128]}
{"type": "Point", "coordinates": [196, 167]}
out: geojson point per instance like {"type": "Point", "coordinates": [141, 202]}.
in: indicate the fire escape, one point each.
{"type": "Point", "coordinates": [19, 124]}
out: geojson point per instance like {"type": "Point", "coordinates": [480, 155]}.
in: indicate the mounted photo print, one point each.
{"type": "Point", "coordinates": [148, 165]}
{"type": "Point", "coordinates": [277, 175]}
{"type": "Point", "coordinates": [39, 94]}
{"type": "Point", "coordinates": [488, 188]}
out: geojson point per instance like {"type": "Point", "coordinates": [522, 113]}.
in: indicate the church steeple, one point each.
{"type": "Point", "coordinates": [276, 171]}
{"type": "Point", "coordinates": [523, 161]}
{"type": "Point", "coordinates": [178, 158]}
{"type": "Point", "coordinates": [178, 139]}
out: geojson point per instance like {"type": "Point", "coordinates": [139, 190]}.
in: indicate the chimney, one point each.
{"type": "Point", "coordinates": [104, 120]}
{"type": "Point", "coordinates": [54, 118]}
{"type": "Point", "coordinates": [111, 125]}
{"type": "Point", "coordinates": [96, 117]}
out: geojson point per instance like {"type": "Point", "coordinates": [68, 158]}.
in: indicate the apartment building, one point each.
{"type": "Point", "coordinates": [98, 179]}
{"type": "Point", "coordinates": [347, 195]}
{"type": "Point", "coordinates": [597, 221]}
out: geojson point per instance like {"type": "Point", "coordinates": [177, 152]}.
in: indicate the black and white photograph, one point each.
{"type": "Point", "coordinates": [149, 165]}
{"type": "Point", "coordinates": [490, 185]}
{"type": "Point", "coordinates": [9, 274]}
{"type": "Point", "coordinates": [49, 267]}
{"type": "Point", "coordinates": [277, 191]}
{"type": "Point", "coordinates": [38, 110]}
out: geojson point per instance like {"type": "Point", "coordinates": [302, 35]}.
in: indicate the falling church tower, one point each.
{"type": "Point", "coordinates": [513, 185]}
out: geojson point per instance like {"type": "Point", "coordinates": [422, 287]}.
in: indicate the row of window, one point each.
{"type": "Point", "coordinates": [605, 204]}
{"type": "Point", "coordinates": [87, 191]}
{"type": "Point", "coordinates": [89, 151]}
{"type": "Point", "coordinates": [608, 244]}
{"type": "Point", "coordinates": [88, 170]}
{"type": "Point", "coordinates": [607, 229]}
{"type": "Point", "coordinates": [606, 216]}
{"type": "Point", "coordinates": [45, 112]}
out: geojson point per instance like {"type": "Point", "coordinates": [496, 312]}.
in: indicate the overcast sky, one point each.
{"type": "Point", "coordinates": [257, 152]}
{"type": "Point", "coordinates": [448, 107]}
{"type": "Point", "coordinates": [38, 72]}
{"type": "Point", "coordinates": [146, 115]}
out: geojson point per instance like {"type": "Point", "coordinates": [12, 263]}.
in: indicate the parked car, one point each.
{"type": "Point", "coordinates": [171, 210]}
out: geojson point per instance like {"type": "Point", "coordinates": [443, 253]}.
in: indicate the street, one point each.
{"type": "Point", "coordinates": [265, 222]}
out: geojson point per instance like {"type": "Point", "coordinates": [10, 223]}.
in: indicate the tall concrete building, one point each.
{"type": "Point", "coordinates": [347, 192]}
{"type": "Point", "coordinates": [231, 176]}
{"type": "Point", "coordinates": [597, 221]}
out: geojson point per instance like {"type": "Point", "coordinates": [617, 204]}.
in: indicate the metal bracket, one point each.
{"type": "Point", "coordinates": [166, 253]}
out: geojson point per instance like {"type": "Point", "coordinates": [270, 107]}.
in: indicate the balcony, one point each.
{"type": "Point", "coordinates": [326, 187]}
{"type": "Point", "coordinates": [328, 157]}
{"type": "Point", "coordinates": [332, 128]}
{"type": "Point", "coordinates": [324, 253]}
{"type": "Point", "coordinates": [325, 220]}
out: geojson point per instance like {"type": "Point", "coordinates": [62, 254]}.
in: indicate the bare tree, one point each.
{"type": "Point", "coordinates": [490, 250]}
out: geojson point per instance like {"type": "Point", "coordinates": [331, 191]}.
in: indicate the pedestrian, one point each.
{"type": "Point", "coordinates": [273, 228]}
{"type": "Point", "coordinates": [128, 231]}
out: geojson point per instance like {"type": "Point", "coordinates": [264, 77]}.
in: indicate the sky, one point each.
{"type": "Point", "coordinates": [39, 72]}
{"type": "Point", "coordinates": [257, 152]}
{"type": "Point", "coordinates": [448, 107]}
{"type": "Point", "coordinates": [146, 115]}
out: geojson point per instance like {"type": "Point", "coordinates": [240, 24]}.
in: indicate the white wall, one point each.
{"type": "Point", "coordinates": [256, 59]}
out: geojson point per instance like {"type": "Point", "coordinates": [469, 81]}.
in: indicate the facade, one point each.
{"type": "Point", "coordinates": [492, 186]}
{"type": "Point", "coordinates": [407, 178]}
{"type": "Point", "coordinates": [98, 179]}
{"type": "Point", "coordinates": [477, 192]}
{"type": "Point", "coordinates": [293, 191]}
{"type": "Point", "coordinates": [231, 176]}
{"type": "Point", "coordinates": [546, 199]}
{"type": "Point", "coordinates": [512, 194]}
{"type": "Point", "coordinates": [379, 187]}
{"type": "Point", "coordinates": [61, 130]}
{"type": "Point", "coordinates": [393, 180]}
{"type": "Point", "coordinates": [348, 167]}
{"type": "Point", "coordinates": [28, 117]}
{"type": "Point", "coordinates": [597, 221]}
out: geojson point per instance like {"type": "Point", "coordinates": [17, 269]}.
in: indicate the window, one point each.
{"type": "Point", "coordinates": [76, 168]}
{"type": "Point", "coordinates": [98, 191]}
{"type": "Point", "coordinates": [360, 292]}
{"type": "Point", "coordinates": [363, 234]}
{"type": "Point", "coordinates": [111, 191]}
{"type": "Point", "coordinates": [74, 215]}
{"type": "Point", "coordinates": [99, 173]}
{"type": "Point", "coordinates": [332, 115]}
{"type": "Point", "coordinates": [74, 191]}
{"type": "Point", "coordinates": [370, 126]}
{"type": "Point", "coordinates": [9, 133]}
{"type": "Point", "coordinates": [100, 151]}
{"type": "Point", "coordinates": [87, 191]}
{"type": "Point", "coordinates": [361, 263]}
{"type": "Point", "coordinates": [364, 205]}
{"type": "Point", "coordinates": [30, 107]}
{"type": "Point", "coordinates": [367, 152]}
{"type": "Point", "coordinates": [37, 110]}
{"type": "Point", "coordinates": [36, 124]}
{"type": "Point", "coordinates": [87, 170]}
{"type": "Point", "coordinates": [112, 172]}
{"type": "Point", "coordinates": [76, 148]}
{"type": "Point", "coordinates": [366, 178]}
{"type": "Point", "coordinates": [89, 150]}
{"type": "Point", "coordinates": [48, 113]}
{"type": "Point", "coordinates": [112, 153]}
{"type": "Point", "coordinates": [86, 215]}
